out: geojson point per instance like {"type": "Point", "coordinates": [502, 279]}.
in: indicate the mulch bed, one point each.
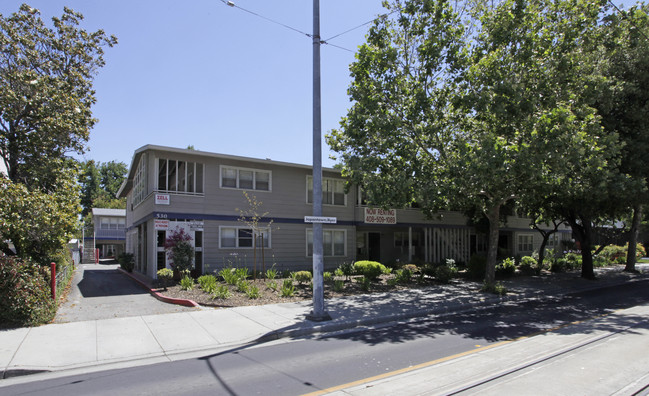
{"type": "Point", "coordinates": [303, 292]}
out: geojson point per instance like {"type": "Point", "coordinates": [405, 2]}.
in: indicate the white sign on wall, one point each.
{"type": "Point", "coordinates": [161, 224]}
{"type": "Point", "coordinates": [162, 199]}
{"type": "Point", "coordinates": [380, 216]}
{"type": "Point", "coordinates": [320, 219]}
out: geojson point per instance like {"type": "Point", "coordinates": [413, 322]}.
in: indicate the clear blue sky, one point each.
{"type": "Point", "coordinates": [197, 72]}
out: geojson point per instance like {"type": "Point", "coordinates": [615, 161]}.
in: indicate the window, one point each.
{"type": "Point", "coordinates": [333, 243]}
{"type": "Point", "coordinates": [401, 239]}
{"type": "Point", "coordinates": [333, 191]}
{"type": "Point", "coordinates": [525, 243]}
{"type": "Point", "coordinates": [242, 237]}
{"type": "Point", "coordinates": [553, 241]}
{"type": "Point", "coordinates": [180, 176]}
{"type": "Point", "coordinates": [245, 179]}
{"type": "Point", "coordinates": [139, 182]}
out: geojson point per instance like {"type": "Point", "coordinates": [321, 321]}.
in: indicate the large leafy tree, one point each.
{"type": "Point", "coordinates": [459, 119]}
{"type": "Point", "coordinates": [46, 95]}
{"type": "Point", "coordinates": [623, 102]}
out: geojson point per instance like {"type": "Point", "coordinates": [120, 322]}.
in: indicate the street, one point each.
{"type": "Point", "coordinates": [320, 363]}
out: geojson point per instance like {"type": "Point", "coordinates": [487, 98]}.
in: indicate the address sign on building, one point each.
{"type": "Point", "coordinates": [380, 216]}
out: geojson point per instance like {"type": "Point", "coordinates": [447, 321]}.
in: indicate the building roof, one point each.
{"type": "Point", "coordinates": [109, 212]}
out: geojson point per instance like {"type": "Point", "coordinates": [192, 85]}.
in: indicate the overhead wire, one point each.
{"type": "Point", "coordinates": [630, 21]}
{"type": "Point", "coordinates": [326, 42]}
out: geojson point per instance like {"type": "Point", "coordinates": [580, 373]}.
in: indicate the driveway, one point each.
{"type": "Point", "coordinates": [99, 291]}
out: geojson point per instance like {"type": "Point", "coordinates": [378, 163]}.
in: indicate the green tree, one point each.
{"type": "Point", "coordinates": [100, 183]}
{"type": "Point", "coordinates": [623, 102]}
{"type": "Point", "coordinates": [458, 119]}
{"type": "Point", "coordinates": [46, 96]}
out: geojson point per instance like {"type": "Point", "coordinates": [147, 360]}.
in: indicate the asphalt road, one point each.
{"type": "Point", "coordinates": [298, 367]}
{"type": "Point", "coordinates": [99, 291]}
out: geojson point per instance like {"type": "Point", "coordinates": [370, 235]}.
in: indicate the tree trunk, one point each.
{"type": "Point", "coordinates": [583, 233]}
{"type": "Point", "coordinates": [544, 242]}
{"type": "Point", "coordinates": [633, 239]}
{"type": "Point", "coordinates": [493, 214]}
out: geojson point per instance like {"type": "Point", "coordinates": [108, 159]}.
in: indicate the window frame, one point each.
{"type": "Point", "coordinates": [333, 242]}
{"type": "Point", "coordinates": [265, 230]}
{"type": "Point", "coordinates": [325, 180]}
{"type": "Point", "coordinates": [190, 169]}
{"type": "Point", "coordinates": [522, 245]}
{"type": "Point", "coordinates": [254, 172]}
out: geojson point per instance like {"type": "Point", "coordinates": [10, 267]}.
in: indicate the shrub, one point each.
{"type": "Point", "coordinates": [271, 273]}
{"type": "Point", "coordinates": [573, 261]}
{"type": "Point", "coordinates": [402, 275]}
{"type": "Point", "coordinates": [207, 283]}
{"type": "Point", "coordinates": [253, 292]}
{"type": "Point", "coordinates": [288, 288]}
{"type": "Point", "coordinates": [365, 283]}
{"type": "Point", "coordinates": [165, 277]}
{"type": "Point", "coordinates": [179, 250]}
{"type": "Point", "coordinates": [327, 277]}
{"type": "Point", "coordinates": [243, 286]}
{"type": "Point", "coordinates": [558, 265]}
{"type": "Point", "coordinates": [339, 286]}
{"type": "Point", "coordinates": [302, 277]}
{"type": "Point", "coordinates": [616, 254]}
{"type": "Point", "coordinates": [339, 272]}
{"type": "Point", "coordinates": [529, 266]}
{"type": "Point", "coordinates": [229, 276]}
{"type": "Point", "coordinates": [444, 273]}
{"type": "Point", "coordinates": [346, 269]}
{"type": "Point", "coordinates": [369, 269]}
{"type": "Point", "coordinates": [25, 296]}
{"type": "Point", "coordinates": [411, 267]}
{"type": "Point", "coordinates": [222, 292]}
{"type": "Point", "coordinates": [272, 285]}
{"type": "Point", "coordinates": [187, 283]}
{"type": "Point", "coordinates": [506, 268]}
{"type": "Point", "coordinates": [242, 273]}
{"type": "Point", "coordinates": [127, 261]}
{"type": "Point", "coordinates": [494, 288]}
{"type": "Point", "coordinates": [427, 270]}
{"type": "Point", "coordinates": [477, 266]}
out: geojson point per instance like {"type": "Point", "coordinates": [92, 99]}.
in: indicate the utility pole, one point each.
{"type": "Point", "coordinates": [318, 314]}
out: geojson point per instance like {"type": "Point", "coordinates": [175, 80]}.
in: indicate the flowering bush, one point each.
{"type": "Point", "coordinates": [180, 250]}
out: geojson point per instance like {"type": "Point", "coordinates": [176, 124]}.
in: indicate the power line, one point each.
{"type": "Point", "coordinates": [326, 42]}
{"type": "Point", "coordinates": [231, 4]}
{"type": "Point", "coordinates": [361, 25]}
{"type": "Point", "coordinates": [628, 20]}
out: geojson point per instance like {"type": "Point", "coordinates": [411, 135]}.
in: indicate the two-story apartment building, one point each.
{"type": "Point", "coordinates": [202, 193]}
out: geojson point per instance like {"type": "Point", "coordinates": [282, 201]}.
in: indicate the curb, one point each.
{"type": "Point", "coordinates": [163, 298]}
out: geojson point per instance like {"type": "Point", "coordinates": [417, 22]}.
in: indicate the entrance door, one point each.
{"type": "Point", "coordinates": [374, 246]}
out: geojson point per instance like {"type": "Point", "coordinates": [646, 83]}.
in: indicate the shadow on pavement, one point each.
{"type": "Point", "coordinates": [105, 283]}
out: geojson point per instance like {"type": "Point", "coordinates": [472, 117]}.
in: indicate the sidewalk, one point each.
{"type": "Point", "coordinates": [122, 342]}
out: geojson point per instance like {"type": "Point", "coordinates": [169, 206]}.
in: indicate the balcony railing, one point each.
{"type": "Point", "coordinates": [110, 234]}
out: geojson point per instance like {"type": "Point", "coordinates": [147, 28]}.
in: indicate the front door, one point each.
{"type": "Point", "coordinates": [374, 246]}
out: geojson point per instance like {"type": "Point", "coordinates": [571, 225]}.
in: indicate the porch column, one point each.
{"type": "Point", "coordinates": [409, 244]}
{"type": "Point", "coordinates": [426, 244]}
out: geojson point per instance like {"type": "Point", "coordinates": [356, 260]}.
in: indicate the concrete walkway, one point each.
{"type": "Point", "coordinates": [121, 342]}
